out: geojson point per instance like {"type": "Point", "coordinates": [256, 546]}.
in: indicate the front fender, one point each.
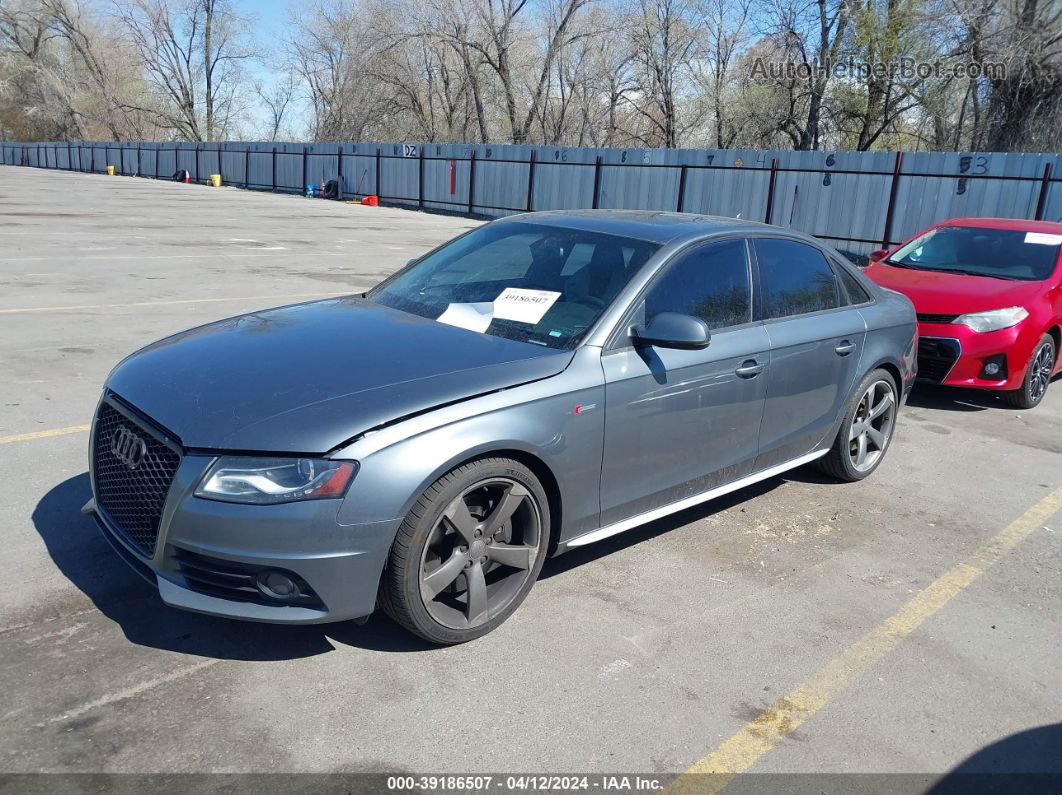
{"type": "Point", "coordinates": [539, 419]}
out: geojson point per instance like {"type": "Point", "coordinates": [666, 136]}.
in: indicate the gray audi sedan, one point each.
{"type": "Point", "coordinates": [540, 383]}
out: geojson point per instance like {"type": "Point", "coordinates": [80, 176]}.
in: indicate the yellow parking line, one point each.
{"type": "Point", "coordinates": [25, 437]}
{"type": "Point", "coordinates": [80, 307]}
{"type": "Point", "coordinates": [782, 718]}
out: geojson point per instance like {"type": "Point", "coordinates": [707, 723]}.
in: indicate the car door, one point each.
{"type": "Point", "coordinates": [680, 422]}
{"type": "Point", "coordinates": [816, 341]}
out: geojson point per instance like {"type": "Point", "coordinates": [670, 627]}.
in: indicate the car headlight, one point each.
{"type": "Point", "coordinates": [267, 481]}
{"type": "Point", "coordinates": [994, 320]}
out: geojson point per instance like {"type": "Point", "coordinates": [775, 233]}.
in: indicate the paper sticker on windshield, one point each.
{"type": "Point", "coordinates": [523, 306]}
{"type": "Point", "coordinates": [1043, 239]}
{"type": "Point", "coordinates": [474, 317]}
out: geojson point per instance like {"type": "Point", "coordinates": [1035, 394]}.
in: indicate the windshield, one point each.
{"type": "Point", "coordinates": [527, 282]}
{"type": "Point", "coordinates": [998, 253]}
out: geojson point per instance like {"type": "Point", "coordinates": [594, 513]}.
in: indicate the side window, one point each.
{"type": "Point", "coordinates": [796, 278]}
{"type": "Point", "coordinates": [710, 282]}
{"type": "Point", "coordinates": [856, 293]}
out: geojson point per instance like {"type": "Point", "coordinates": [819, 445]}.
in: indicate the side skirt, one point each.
{"type": "Point", "coordinates": [688, 502]}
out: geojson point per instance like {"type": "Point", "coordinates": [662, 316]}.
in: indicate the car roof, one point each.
{"type": "Point", "coordinates": [1014, 224]}
{"type": "Point", "coordinates": [648, 225]}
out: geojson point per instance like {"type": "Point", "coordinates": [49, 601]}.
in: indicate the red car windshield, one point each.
{"type": "Point", "coordinates": [979, 251]}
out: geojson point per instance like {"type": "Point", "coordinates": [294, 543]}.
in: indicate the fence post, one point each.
{"type": "Point", "coordinates": [597, 180]}
{"type": "Point", "coordinates": [1045, 187]}
{"type": "Point", "coordinates": [139, 168]}
{"type": "Point", "coordinates": [887, 233]}
{"type": "Point", "coordinates": [376, 185]}
{"type": "Point", "coordinates": [197, 163]}
{"type": "Point", "coordinates": [471, 181]}
{"type": "Point", "coordinates": [770, 190]}
{"type": "Point", "coordinates": [681, 200]}
{"type": "Point", "coordinates": [274, 170]}
{"type": "Point", "coordinates": [305, 163]}
{"type": "Point", "coordinates": [247, 167]}
{"type": "Point", "coordinates": [157, 150]}
{"type": "Point", "coordinates": [420, 177]}
{"type": "Point", "coordinates": [531, 179]}
{"type": "Point", "coordinates": [339, 175]}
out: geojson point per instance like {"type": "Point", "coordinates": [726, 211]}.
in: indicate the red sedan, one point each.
{"type": "Point", "coordinates": [988, 293]}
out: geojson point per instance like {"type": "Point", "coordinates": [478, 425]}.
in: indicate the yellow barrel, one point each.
{"type": "Point", "coordinates": [110, 171]}
{"type": "Point", "coordinates": [215, 180]}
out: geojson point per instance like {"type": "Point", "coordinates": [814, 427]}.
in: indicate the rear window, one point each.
{"type": "Point", "coordinates": [996, 253]}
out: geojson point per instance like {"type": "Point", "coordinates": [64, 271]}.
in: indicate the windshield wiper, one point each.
{"type": "Point", "coordinates": [896, 264]}
{"type": "Point", "coordinates": [980, 273]}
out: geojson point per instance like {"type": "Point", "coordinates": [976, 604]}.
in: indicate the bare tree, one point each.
{"type": "Point", "coordinates": [276, 100]}
{"type": "Point", "coordinates": [726, 31]}
{"type": "Point", "coordinates": [191, 52]}
{"type": "Point", "coordinates": [665, 43]}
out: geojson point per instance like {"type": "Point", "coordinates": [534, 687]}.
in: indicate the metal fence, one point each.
{"type": "Point", "coordinates": [859, 201]}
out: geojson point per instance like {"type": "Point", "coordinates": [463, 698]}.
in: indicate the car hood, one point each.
{"type": "Point", "coordinates": [936, 293]}
{"type": "Point", "coordinates": [305, 378]}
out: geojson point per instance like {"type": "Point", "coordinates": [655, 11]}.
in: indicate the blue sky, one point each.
{"type": "Point", "coordinates": [271, 23]}
{"type": "Point", "coordinates": [272, 15]}
{"type": "Point", "coordinates": [270, 31]}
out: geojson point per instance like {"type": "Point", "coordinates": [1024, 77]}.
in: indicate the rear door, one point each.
{"type": "Point", "coordinates": [680, 422]}
{"type": "Point", "coordinates": [816, 340]}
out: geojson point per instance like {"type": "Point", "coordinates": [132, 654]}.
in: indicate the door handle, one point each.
{"type": "Point", "coordinates": [750, 368]}
{"type": "Point", "coordinates": [845, 348]}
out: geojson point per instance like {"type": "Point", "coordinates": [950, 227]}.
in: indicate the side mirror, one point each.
{"type": "Point", "coordinates": [878, 256]}
{"type": "Point", "coordinates": [673, 330]}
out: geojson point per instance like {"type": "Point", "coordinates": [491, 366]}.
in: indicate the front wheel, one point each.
{"type": "Point", "coordinates": [468, 552]}
{"type": "Point", "coordinates": [1037, 377]}
{"type": "Point", "coordinates": [866, 429]}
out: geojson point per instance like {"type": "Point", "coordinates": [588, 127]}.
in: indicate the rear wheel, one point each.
{"type": "Point", "coordinates": [468, 552]}
{"type": "Point", "coordinates": [1037, 377]}
{"type": "Point", "coordinates": [866, 430]}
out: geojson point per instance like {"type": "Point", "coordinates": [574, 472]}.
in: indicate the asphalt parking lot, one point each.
{"type": "Point", "coordinates": [898, 625]}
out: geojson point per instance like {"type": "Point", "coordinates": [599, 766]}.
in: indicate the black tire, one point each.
{"type": "Point", "coordinates": [427, 526]}
{"type": "Point", "coordinates": [840, 461]}
{"type": "Point", "coordinates": [1037, 376]}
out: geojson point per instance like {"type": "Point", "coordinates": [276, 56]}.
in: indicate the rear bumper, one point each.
{"type": "Point", "coordinates": [954, 355]}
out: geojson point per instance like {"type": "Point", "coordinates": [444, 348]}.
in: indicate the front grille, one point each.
{"type": "Point", "coordinates": [922, 318]}
{"type": "Point", "coordinates": [228, 579]}
{"type": "Point", "coordinates": [131, 489]}
{"type": "Point", "coordinates": [936, 357]}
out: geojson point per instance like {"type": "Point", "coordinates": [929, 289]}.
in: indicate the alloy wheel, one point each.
{"type": "Point", "coordinates": [1040, 372]}
{"type": "Point", "coordinates": [480, 553]}
{"type": "Point", "coordinates": [872, 425]}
